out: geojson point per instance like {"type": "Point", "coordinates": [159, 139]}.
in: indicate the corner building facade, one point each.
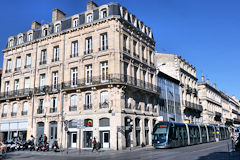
{"type": "Point", "coordinates": [96, 66]}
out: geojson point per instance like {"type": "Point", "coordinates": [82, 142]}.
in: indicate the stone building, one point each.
{"type": "Point", "coordinates": [178, 68]}
{"type": "Point", "coordinates": [235, 108]}
{"type": "Point", "coordinates": [96, 66]}
{"type": "Point", "coordinates": [210, 98]}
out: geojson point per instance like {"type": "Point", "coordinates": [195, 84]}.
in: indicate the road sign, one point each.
{"type": "Point", "coordinates": [66, 122]}
{"type": "Point", "coordinates": [66, 129]}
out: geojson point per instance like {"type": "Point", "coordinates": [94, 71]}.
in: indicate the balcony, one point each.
{"type": "Point", "coordinates": [40, 111]}
{"type": "Point", "coordinates": [73, 108]}
{"type": "Point", "coordinates": [24, 113]}
{"type": "Point", "coordinates": [53, 110]}
{"type": "Point", "coordinates": [42, 62]}
{"type": "Point", "coordinates": [17, 69]}
{"type": "Point", "coordinates": [41, 89]}
{"type": "Point", "coordinates": [27, 66]}
{"type": "Point", "coordinates": [13, 114]}
{"type": "Point", "coordinates": [54, 88]}
{"type": "Point", "coordinates": [74, 55]}
{"type": "Point", "coordinates": [111, 78]}
{"type": "Point", "coordinates": [55, 59]}
{"type": "Point", "coordinates": [103, 48]}
{"type": "Point", "coordinates": [90, 51]}
{"type": "Point", "coordinates": [4, 115]}
{"type": "Point", "coordinates": [103, 105]}
{"type": "Point", "coordinates": [193, 106]}
{"type": "Point", "coordinates": [7, 70]}
{"type": "Point", "coordinates": [17, 93]}
{"type": "Point", "coordinates": [87, 106]}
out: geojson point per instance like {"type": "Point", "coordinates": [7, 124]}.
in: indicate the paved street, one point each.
{"type": "Point", "coordinates": [217, 150]}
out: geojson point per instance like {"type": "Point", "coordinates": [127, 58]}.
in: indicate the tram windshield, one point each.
{"type": "Point", "coordinates": [160, 133]}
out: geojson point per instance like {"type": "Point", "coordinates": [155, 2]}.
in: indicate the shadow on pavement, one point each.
{"type": "Point", "coordinates": [222, 156]}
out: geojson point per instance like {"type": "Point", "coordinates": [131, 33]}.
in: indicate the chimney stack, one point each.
{"type": "Point", "coordinates": [214, 85]}
{"type": "Point", "coordinates": [35, 25]}
{"type": "Point", "coordinates": [91, 5]}
{"type": "Point", "coordinates": [208, 81]}
{"type": "Point", "coordinates": [57, 14]}
{"type": "Point", "coordinates": [203, 79]}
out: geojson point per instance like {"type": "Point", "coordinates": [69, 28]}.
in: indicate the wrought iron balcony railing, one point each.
{"type": "Point", "coordinates": [73, 108]}
{"type": "Point", "coordinates": [87, 106]}
{"type": "Point", "coordinates": [53, 110]}
{"type": "Point", "coordinates": [13, 114]}
{"type": "Point", "coordinates": [24, 113]}
{"type": "Point", "coordinates": [40, 111]}
{"type": "Point", "coordinates": [103, 105]}
{"type": "Point", "coordinates": [16, 93]}
{"type": "Point", "coordinates": [4, 114]}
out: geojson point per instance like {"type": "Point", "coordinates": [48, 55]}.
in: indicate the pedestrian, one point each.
{"type": "Point", "coordinates": [237, 147]}
{"type": "Point", "coordinates": [94, 144]}
{"type": "Point", "coordinates": [233, 141]}
{"type": "Point", "coordinates": [45, 139]}
{"type": "Point", "coordinates": [40, 139]}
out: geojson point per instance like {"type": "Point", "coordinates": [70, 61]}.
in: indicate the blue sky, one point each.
{"type": "Point", "coordinates": [204, 32]}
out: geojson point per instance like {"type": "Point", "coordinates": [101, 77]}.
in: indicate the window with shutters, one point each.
{"type": "Point", "coordinates": [57, 28]}
{"type": "Point", "coordinates": [104, 100]}
{"type": "Point", "coordinates": [88, 43]}
{"type": "Point", "coordinates": [89, 18]}
{"type": "Point", "coordinates": [55, 54]}
{"type": "Point", "coordinates": [43, 57]}
{"type": "Point", "coordinates": [11, 43]}
{"type": "Point", "coordinates": [28, 61]}
{"type": "Point", "coordinates": [74, 49]}
{"type": "Point", "coordinates": [16, 86]}
{"type": "Point", "coordinates": [18, 64]}
{"type": "Point", "coordinates": [20, 40]}
{"type": "Point", "coordinates": [75, 22]}
{"type": "Point", "coordinates": [42, 81]}
{"type": "Point", "coordinates": [104, 72]}
{"type": "Point", "coordinates": [104, 13]}
{"type": "Point", "coordinates": [88, 101]}
{"type": "Point", "coordinates": [9, 65]}
{"type": "Point", "coordinates": [88, 74]}
{"type": "Point", "coordinates": [74, 77]}
{"type": "Point", "coordinates": [53, 105]}
{"type": "Point", "coordinates": [55, 80]}
{"type": "Point", "coordinates": [103, 42]}
{"type": "Point", "coordinates": [30, 37]}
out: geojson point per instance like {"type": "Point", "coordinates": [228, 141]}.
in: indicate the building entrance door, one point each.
{"type": "Point", "coordinates": [40, 129]}
{"type": "Point", "coordinates": [73, 140]}
{"type": "Point", "coordinates": [105, 138]}
{"type": "Point", "coordinates": [88, 139]}
{"type": "Point", "coordinates": [53, 132]}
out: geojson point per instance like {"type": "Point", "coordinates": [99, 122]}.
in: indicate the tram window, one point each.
{"type": "Point", "coordinates": [160, 134]}
{"type": "Point", "coordinates": [171, 133]}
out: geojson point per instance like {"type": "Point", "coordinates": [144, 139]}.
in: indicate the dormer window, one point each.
{"type": "Point", "coordinates": [75, 22]}
{"type": "Point", "coordinates": [57, 28]}
{"type": "Point", "coordinates": [104, 13]}
{"type": "Point", "coordinates": [89, 18]}
{"type": "Point", "coordinates": [20, 41]}
{"type": "Point", "coordinates": [11, 43]}
{"type": "Point", "coordinates": [45, 32]}
{"type": "Point", "coordinates": [30, 37]}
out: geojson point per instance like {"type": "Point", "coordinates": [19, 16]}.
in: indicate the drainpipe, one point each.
{"type": "Point", "coordinates": [61, 93]}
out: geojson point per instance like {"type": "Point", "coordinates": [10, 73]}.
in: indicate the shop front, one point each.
{"type": "Point", "coordinates": [11, 130]}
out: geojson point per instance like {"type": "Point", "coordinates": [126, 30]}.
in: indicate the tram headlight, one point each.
{"type": "Point", "coordinates": [158, 141]}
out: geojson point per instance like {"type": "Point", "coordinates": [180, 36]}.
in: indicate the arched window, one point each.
{"type": "Point", "coordinates": [104, 122]}
{"type": "Point", "coordinates": [104, 99]}
{"type": "Point", "coordinates": [30, 37]}
{"type": "Point", "coordinates": [20, 40]}
{"type": "Point", "coordinates": [104, 13]}
{"type": "Point", "coordinates": [14, 110]}
{"type": "Point", "coordinates": [75, 22]}
{"type": "Point", "coordinates": [25, 108]}
{"type": "Point", "coordinates": [57, 28]}
{"type": "Point", "coordinates": [5, 109]}
{"type": "Point", "coordinates": [89, 18]}
{"type": "Point", "coordinates": [74, 100]}
{"type": "Point", "coordinates": [45, 32]}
